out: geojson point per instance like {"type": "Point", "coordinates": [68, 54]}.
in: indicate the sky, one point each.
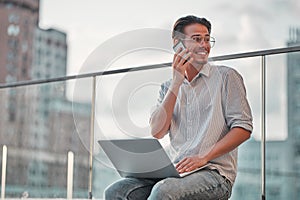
{"type": "Point", "coordinates": [243, 26]}
{"type": "Point", "coordinates": [105, 35]}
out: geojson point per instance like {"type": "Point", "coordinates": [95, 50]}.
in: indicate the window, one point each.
{"type": "Point", "coordinates": [46, 113]}
{"type": "Point", "coordinates": [9, 79]}
{"type": "Point", "coordinates": [11, 56]}
{"type": "Point", "coordinates": [13, 30]}
{"type": "Point", "coordinates": [297, 86]}
{"type": "Point", "coordinates": [297, 149]}
{"type": "Point", "coordinates": [13, 43]}
{"type": "Point", "coordinates": [13, 18]}
{"type": "Point", "coordinates": [297, 132]}
{"type": "Point", "coordinates": [24, 71]}
{"type": "Point", "coordinates": [11, 68]}
{"type": "Point", "coordinates": [9, 5]}
{"type": "Point", "coordinates": [24, 47]}
{"type": "Point", "coordinates": [38, 74]}
{"type": "Point", "coordinates": [25, 58]}
{"type": "Point", "coordinates": [11, 116]}
{"type": "Point", "coordinates": [40, 52]}
{"type": "Point", "coordinates": [49, 41]}
{"type": "Point", "coordinates": [274, 192]}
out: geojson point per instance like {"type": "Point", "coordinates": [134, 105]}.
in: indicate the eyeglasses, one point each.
{"type": "Point", "coordinates": [207, 40]}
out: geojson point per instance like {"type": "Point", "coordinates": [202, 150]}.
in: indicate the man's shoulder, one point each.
{"type": "Point", "coordinates": [223, 69]}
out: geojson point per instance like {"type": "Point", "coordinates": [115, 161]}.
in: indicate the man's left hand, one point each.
{"type": "Point", "coordinates": [190, 163]}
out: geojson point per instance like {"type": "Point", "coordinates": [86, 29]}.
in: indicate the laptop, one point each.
{"type": "Point", "coordinates": [140, 158]}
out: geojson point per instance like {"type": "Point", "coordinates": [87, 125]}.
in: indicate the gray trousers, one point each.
{"type": "Point", "coordinates": [204, 184]}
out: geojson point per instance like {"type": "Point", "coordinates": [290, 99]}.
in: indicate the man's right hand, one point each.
{"type": "Point", "coordinates": [180, 63]}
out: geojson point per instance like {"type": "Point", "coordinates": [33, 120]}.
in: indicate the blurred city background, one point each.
{"type": "Point", "coordinates": [42, 122]}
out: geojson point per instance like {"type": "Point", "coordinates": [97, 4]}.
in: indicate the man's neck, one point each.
{"type": "Point", "coordinates": [192, 71]}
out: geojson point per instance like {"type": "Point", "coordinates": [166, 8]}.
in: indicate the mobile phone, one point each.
{"type": "Point", "coordinates": [180, 45]}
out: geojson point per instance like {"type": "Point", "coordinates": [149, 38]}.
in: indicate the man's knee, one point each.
{"type": "Point", "coordinates": [110, 192]}
{"type": "Point", "coordinates": [117, 190]}
{"type": "Point", "coordinates": [161, 191]}
{"type": "Point", "coordinates": [129, 189]}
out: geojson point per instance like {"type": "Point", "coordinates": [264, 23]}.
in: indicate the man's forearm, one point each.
{"type": "Point", "coordinates": [161, 119]}
{"type": "Point", "coordinates": [232, 140]}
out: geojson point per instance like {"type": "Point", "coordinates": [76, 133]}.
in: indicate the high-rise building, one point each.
{"type": "Point", "coordinates": [37, 122]}
{"type": "Point", "coordinates": [18, 21]}
{"type": "Point", "coordinates": [293, 91]}
{"type": "Point", "coordinates": [50, 54]}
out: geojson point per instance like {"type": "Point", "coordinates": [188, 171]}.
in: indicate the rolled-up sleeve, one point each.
{"type": "Point", "coordinates": [162, 93]}
{"type": "Point", "coordinates": [236, 106]}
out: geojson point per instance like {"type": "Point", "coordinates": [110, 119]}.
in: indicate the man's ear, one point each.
{"type": "Point", "coordinates": [175, 41]}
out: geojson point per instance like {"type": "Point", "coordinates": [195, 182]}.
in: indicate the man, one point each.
{"type": "Point", "coordinates": [207, 116]}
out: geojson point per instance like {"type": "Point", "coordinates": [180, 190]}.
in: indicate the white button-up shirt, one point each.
{"type": "Point", "coordinates": [206, 109]}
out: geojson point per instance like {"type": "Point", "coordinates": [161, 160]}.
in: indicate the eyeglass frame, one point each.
{"type": "Point", "coordinates": [211, 41]}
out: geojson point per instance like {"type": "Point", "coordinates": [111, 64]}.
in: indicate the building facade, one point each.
{"type": "Point", "coordinates": [293, 90]}
{"type": "Point", "coordinates": [38, 123]}
{"type": "Point", "coordinates": [18, 20]}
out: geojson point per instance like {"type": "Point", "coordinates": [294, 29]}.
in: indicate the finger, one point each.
{"type": "Point", "coordinates": [184, 59]}
{"type": "Point", "coordinates": [191, 168]}
{"type": "Point", "coordinates": [177, 56]}
{"type": "Point", "coordinates": [180, 56]}
{"type": "Point", "coordinates": [188, 165]}
{"type": "Point", "coordinates": [182, 65]}
{"type": "Point", "coordinates": [182, 53]}
{"type": "Point", "coordinates": [184, 165]}
{"type": "Point", "coordinates": [178, 50]}
{"type": "Point", "coordinates": [180, 162]}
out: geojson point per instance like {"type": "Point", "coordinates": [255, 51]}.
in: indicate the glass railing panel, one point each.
{"type": "Point", "coordinates": [283, 130]}
{"type": "Point", "coordinates": [123, 106]}
{"type": "Point", "coordinates": [248, 181]}
{"type": "Point", "coordinates": [38, 128]}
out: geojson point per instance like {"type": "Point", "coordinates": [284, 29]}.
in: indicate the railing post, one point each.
{"type": "Point", "coordinates": [92, 138]}
{"type": "Point", "coordinates": [263, 127]}
{"type": "Point", "coordinates": [70, 175]}
{"type": "Point", "coordinates": [3, 176]}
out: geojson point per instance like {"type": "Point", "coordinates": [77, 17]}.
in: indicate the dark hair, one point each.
{"type": "Point", "coordinates": [181, 23]}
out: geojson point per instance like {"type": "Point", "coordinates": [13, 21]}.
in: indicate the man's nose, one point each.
{"type": "Point", "coordinates": [202, 43]}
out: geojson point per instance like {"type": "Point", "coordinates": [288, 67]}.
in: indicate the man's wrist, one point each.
{"type": "Point", "coordinates": [206, 159]}
{"type": "Point", "coordinates": [175, 85]}
{"type": "Point", "coordinates": [174, 88]}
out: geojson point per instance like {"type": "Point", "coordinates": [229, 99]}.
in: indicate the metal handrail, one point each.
{"type": "Point", "coordinates": [262, 54]}
{"type": "Point", "coordinates": [155, 66]}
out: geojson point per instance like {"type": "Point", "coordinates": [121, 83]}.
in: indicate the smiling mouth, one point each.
{"type": "Point", "coordinates": [201, 53]}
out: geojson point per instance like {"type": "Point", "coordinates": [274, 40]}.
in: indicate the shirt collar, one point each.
{"type": "Point", "coordinates": [204, 71]}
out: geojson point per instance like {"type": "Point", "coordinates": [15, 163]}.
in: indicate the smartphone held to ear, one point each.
{"type": "Point", "coordinates": [179, 45]}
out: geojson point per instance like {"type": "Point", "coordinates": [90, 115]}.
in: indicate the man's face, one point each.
{"type": "Point", "coordinates": [197, 42]}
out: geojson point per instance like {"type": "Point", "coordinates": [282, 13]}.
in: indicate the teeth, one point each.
{"type": "Point", "coordinates": [201, 53]}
